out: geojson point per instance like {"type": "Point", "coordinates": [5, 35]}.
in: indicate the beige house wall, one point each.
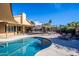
{"type": "Point", "coordinates": [22, 19]}
{"type": "Point", "coordinates": [3, 33]}
{"type": "Point", "coordinates": [25, 20]}
{"type": "Point", "coordinates": [18, 19]}
{"type": "Point", "coordinates": [2, 27]}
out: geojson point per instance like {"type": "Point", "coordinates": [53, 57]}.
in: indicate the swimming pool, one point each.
{"type": "Point", "coordinates": [24, 47]}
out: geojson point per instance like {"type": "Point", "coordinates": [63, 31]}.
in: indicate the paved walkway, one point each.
{"type": "Point", "coordinates": [54, 50]}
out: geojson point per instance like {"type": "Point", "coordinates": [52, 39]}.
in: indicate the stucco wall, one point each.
{"type": "Point", "coordinates": [24, 19]}
{"type": "Point", "coordinates": [18, 19]}
{"type": "Point", "coordinates": [2, 27]}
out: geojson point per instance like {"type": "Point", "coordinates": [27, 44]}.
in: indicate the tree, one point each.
{"type": "Point", "coordinates": [72, 25]}
{"type": "Point", "coordinates": [77, 24]}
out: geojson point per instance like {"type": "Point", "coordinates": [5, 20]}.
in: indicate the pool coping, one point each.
{"type": "Point", "coordinates": [23, 36]}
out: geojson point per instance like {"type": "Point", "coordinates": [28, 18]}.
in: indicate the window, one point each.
{"type": "Point", "coordinates": [10, 28]}
{"type": "Point", "coordinates": [14, 28]}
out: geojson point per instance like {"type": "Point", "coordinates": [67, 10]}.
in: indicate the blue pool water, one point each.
{"type": "Point", "coordinates": [23, 47]}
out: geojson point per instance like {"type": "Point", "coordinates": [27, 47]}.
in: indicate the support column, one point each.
{"type": "Point", "coordinates": [6, 30]}
{"type": "Point", "coordinates": [23, 29]}
{"type": "Point", "coordinates": [16, 30]}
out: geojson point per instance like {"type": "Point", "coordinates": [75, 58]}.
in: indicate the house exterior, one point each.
{"type": "Point", "coordinates": [23, 23]}
{"type": "Point", "coordinates": [10, 25]}
{"type": "Point", "coordinates": [37, 29]}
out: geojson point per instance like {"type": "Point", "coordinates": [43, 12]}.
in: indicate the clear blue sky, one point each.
{"type": "Point", "coordinates": [41, 12]}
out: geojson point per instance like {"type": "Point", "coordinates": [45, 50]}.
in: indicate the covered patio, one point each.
{"type": "Point", "coordinates": [10, 25]}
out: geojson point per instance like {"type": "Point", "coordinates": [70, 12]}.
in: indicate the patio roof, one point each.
{"type": "Point", "coordinates": [6, 13]}
{"type": "Point", "coordinates": [6, 16]}
{"type": "Point", "coordinates": [22, 19]}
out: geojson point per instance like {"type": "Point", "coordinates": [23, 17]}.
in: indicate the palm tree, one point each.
{"type": "Point", "coordinates": [72, 25]}
{"type": "Point", "coordinates": [77, 24]}
{"type": "Point", "coordinates": [47, 26]}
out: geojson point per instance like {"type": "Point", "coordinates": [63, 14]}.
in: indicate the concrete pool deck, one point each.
{"type": "Point", "coordinates": [57, 50]}
{"type": "Point", "coordinates": [17, 37]}
{"type": "Point", "coordinates": [54, 50]}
